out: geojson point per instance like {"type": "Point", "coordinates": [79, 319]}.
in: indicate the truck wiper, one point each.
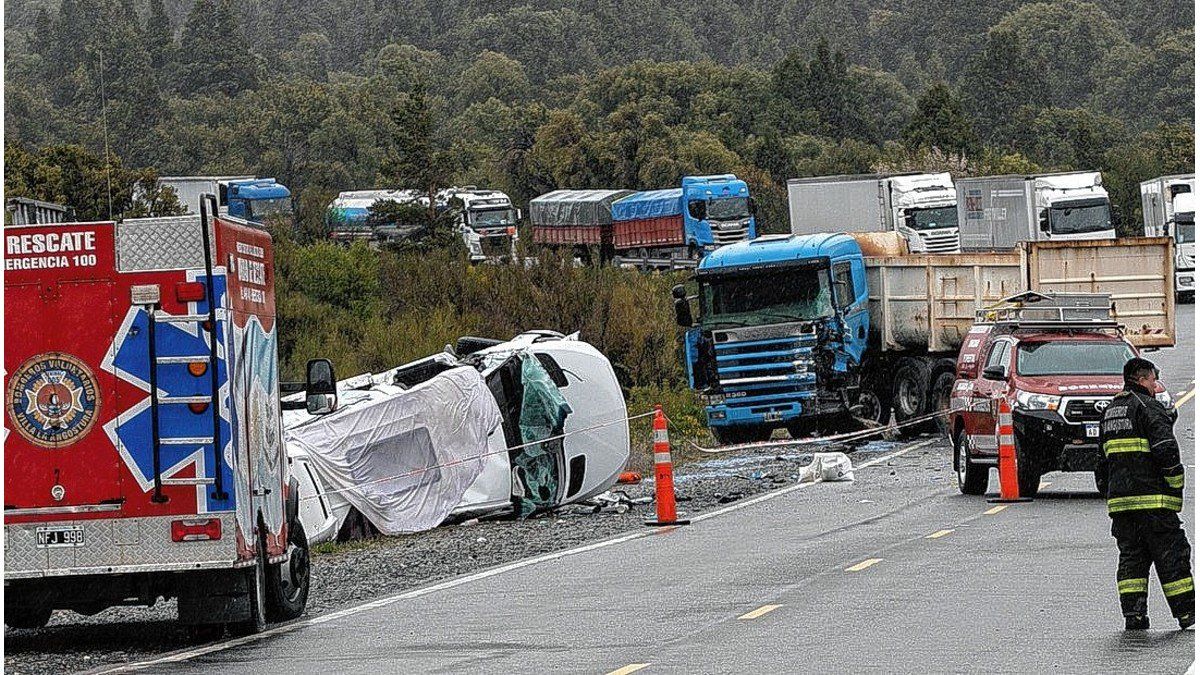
{"type": "Point", "coordinates": [733, 324]}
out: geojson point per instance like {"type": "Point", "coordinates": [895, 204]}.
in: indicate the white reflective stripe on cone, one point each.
{"type": "Point", "coordinates": [660, 436]}
{"type": "Point", "coordinates": [662, 458]}
{"type": "Point", "coordinates": [1006, 439]}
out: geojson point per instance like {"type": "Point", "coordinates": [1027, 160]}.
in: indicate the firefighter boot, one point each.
{"type": "Point", "coordinates": [1137, 622]}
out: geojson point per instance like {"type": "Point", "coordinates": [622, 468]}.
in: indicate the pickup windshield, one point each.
{"type": "Point", "coordinates": [1072, 358]}
{"type": "Point", "coordinates": [1080, 217]}
{"type": "Point", "coordinates": [934, 218]}
{"type": "Point", "coordinates": [728, 208]}
{"type": "Point", "coordinates": [493, 218]}
{"type": "Point", "coordinates": [756, 300]}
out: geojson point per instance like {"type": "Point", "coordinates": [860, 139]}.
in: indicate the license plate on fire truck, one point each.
{"type": "Point", "coordinates": [1092, 429]}
{"type": "Point", "coordinates": [62, 536]}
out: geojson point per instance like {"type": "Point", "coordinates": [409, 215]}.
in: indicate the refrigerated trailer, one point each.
{"type": "Point", "coordinates": [995, 213]}
{"type": "Point", "coordinates": [1169, 210]}
{"type": "Point", "coordinates": [143, 453]}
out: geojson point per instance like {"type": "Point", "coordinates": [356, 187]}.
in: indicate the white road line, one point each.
{"type": "Point", "coordinates": [184, 655]}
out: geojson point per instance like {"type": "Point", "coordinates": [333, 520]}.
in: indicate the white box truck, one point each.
{"type": "Point", "coordinates": [919, 206]}
{"type": "Point", "coordinates": [996, 213]}
{"type": "Point", "coordinates": [1169, 210]}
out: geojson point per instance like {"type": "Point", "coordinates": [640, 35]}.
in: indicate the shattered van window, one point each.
{"type": "Point", "coordinates": [544, 410]}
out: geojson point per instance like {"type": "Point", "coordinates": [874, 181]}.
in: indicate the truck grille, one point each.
{"type": "Point", "coordinates": [1079, 410]}
{"type": "Point", "coordinates": [941, 242]}
{"type": "Point", "coordinates": [760, 364]}
{"type": "Point", "coordinates": [495, 246]}
{"type": "Point", "coordinates": [726, 233]}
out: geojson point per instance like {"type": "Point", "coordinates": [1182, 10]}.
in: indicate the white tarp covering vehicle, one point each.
{"type": "Point", "coordinates": [542, 386]}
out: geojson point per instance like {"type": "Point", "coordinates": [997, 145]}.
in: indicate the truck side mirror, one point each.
{"type": "Point", "coordinates": [1044, 222]}
{"type": "Point", "coordinates": [697, 209]}
{"type": "Point", "coordinates": [320, 386]}
{"type": "Point", "coordinates": [995, 373]}
{"type": "Point", "coordinates": [678, 292]}
{"type": "Point", "coordinates": [683, 313]}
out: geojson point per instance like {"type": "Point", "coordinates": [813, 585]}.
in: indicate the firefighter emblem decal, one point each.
{"type": "Point", "coordinates": [53, 400]}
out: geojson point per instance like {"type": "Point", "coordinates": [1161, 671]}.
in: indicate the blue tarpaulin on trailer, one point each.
{"type": "Point", "coordinates": [649, 204]}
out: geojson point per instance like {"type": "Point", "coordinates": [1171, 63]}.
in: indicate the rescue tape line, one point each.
{"type": "Point", "coordinates": [847, 436]}
{"type": "Point", "coordinates": [472, 458]}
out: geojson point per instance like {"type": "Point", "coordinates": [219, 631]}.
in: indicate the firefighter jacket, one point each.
{"type": "Point", "coordinates": [1141, 456]}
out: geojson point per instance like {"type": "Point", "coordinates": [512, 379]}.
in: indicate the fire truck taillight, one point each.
{"type": "Point", "coordinates": [197, 407]}
{"type": "Point", "coordinates": [197, 368]}
{"type": "Point", "coordinates": [189, 291]}
{"type": "Point", "coordinates": [204, 529]}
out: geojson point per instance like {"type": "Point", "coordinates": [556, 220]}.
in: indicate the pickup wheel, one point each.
{"type": "Point", "coordinates": [1029, 470]}
{"type": "Point", "coordinates": [910, 395]}
{"type": "Point", "coordinates": [287, 582]}
{"type": "Point", "coordinates": [1101, 484]}
{"type": "Point", "coordinates": [972, 478]}
{"type": "Point", "coordinates": [28, 618]}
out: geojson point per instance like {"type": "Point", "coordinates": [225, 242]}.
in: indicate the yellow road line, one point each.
{"type": "Point", "coordinates": [939, 534]}
{"type": "Point", "coordinates": [758, 612]}
{"type": "Point", "coordinates": [1186, 397]}
{"type": "Point", "coordinates": [995, 509]}
{"type": "Point", "coordinates": [863, 565]}
{"type": "Point", "coordinates": [631, 668]}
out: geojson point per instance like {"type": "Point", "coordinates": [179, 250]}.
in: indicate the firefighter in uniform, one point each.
{"type": "Point", "coordinates": [1145, 494]}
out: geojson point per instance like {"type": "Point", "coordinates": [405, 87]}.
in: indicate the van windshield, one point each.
{"type": "Point", "coordinates": [1072, 358]}
{"type": "Point", "coordinates": [1080, 217]}
{"type": "Point", "coordinates": [800, 294]}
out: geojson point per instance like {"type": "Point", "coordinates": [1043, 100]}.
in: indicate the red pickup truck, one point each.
{"type": "Point", "coordinates": [1057, 359]}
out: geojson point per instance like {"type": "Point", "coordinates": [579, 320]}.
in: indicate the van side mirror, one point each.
{"type": "Point", "coordinates": [995, 373]}
{"type": "Point", "coordinates": [320, 386]}
{"type": "Point", "coordinates": [698, 209]}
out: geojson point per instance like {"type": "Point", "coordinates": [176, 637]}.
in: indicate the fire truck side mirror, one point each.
{"type": "Point", "coordinates": [320, 385]}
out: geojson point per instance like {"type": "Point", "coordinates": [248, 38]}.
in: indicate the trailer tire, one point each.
{"type": "Point", "coordinates": [288, 582]}
{"type": "Point", "coordinates": [27, 617]}
{"type": "Point", "coordinates": [910, 394]}
{"type": "Point", "coordinates": [875, 405]}
{"type": "Point", "coordinates": [940, 392]}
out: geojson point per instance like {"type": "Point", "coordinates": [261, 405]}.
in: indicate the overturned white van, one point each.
{"type": "Point", "coordinates": [551, 430]}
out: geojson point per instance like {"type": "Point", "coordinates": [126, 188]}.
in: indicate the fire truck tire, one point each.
{"type": "Point", "coordinates": [910, 394]}
{"type": "Point", "coordinates": [29, 618]}
{"type": "Point", "coordinates": [256, 585]}
{"type": "Point", "coordinates": [288, 582]}
{"type": "Point", "coordinates": [972, 478]}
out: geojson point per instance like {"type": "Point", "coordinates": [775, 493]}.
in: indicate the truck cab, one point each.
{"type": "Point", "coordinates": [1057, 360]}
{"type": "Point", "coordinates": [775, 315]}
{"type": "Point", "coordinates": [1183, 229]}
{"type": "Point", "coordinates": [256, 200]}
{"type": "Point", "coordinates": [486, 219]}
{"type": "Point", "coordinates": [925, 211]}
{"type": "Point", "coordinates": [1072, 206]}
{"type": "Point", "coordinates": [717, 211]}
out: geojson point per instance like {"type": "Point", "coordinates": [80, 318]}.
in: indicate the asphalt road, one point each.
{"type": "Point", "coordinates": [894, 572]}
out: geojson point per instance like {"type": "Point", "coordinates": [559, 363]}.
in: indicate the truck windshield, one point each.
{"type": "Point", "coordinates": [934, 218]}
{"type": "Point", "coordinates": [728, 208]}
{"type": "Point", "coordinates": [1185, 229]}
{"type": "Point", "coordinates": [493, 218]}
{"type": "Point", "coordinates": [259, 209]}
{"type": "Point", "coordinates": [756, 300]}
{"type": "Point", "coordinates": [1080, 217]}
{"type": "Point", "coordinates": [1072, 358]}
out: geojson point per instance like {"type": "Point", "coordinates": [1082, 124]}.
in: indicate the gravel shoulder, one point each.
{"type": "Point", "coordinates": [357, 572]}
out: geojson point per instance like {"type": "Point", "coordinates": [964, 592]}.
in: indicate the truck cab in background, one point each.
{"type": "Point", "coordinates": [717, 211]}
{"type": "Point", "coordinates": [255, 200]}
{"type": "Point", "coordinates": [998, 212]}
{"type": "Point", "coordinates": [921, 207]}
{"type": "Point", "coordinates": [1169, 209]}
{"type": "Point", "coordinates": [348, 217]}
{"type": "Point", "coordinates": [486, 220]}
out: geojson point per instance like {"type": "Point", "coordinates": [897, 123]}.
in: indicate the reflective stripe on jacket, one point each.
{"type": "Point", "coordinates": [1141, 456]}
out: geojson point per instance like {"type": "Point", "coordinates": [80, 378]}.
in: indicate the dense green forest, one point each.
{"type": "Point", "coordinates": [532, 95]}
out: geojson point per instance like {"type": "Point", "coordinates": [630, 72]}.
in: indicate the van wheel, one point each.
{"type": "Point", "coordinates": [256, 588]}
{"type": "Point", "coordinates": [28, 618]}
{"type": "Point", "coordinates": [972, 478]}
{"type": "Point", "coordinates": [288, 582]}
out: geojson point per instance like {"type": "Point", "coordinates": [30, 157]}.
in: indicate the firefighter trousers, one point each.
{"type": "Point", "coordinates": [1153, 536]}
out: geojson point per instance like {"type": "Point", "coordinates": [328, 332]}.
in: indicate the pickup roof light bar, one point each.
{"type": "Point", "coordinates": [1051, 311]}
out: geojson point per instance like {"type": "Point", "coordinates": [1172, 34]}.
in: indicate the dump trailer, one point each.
{"type": "Point", "coordinates": [995, 213]}
{"type": "Point", "coordinates": [255, 200]}
{"type": "Point", "coordinates": [143, 449]}
{"type": "Point", "coordinates": [796, 331]}
{"type": "Point", "coordinates": [921, 207]}
{"type": "Point", "coordinates": [1169, 210]}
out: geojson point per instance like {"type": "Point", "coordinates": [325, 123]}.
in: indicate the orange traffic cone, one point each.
{"type": "Point", "coordinates": [1010, 487]}
{"type": "Point", "coordinates": [664, 474]}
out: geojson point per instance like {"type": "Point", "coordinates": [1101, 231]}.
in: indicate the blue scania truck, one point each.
{"type": "Point", "coordinates": [804, 331]}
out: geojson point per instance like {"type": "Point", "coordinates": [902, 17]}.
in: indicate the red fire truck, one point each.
{"type": "Point", "coordinates": [143, 451]}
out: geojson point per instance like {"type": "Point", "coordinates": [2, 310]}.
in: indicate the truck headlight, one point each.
{"type": "Point", "coordinates": [1028, 400]}
{"type": "Point", "coordinates": [1164, 397]}
{"type": "Point", "coordinates": [713, 399]}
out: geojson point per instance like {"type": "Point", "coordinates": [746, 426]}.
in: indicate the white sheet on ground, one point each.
{"type": "Point", "coordinates": [828, 466]}
{"type": "Point", "coordinates": [405, 460]}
